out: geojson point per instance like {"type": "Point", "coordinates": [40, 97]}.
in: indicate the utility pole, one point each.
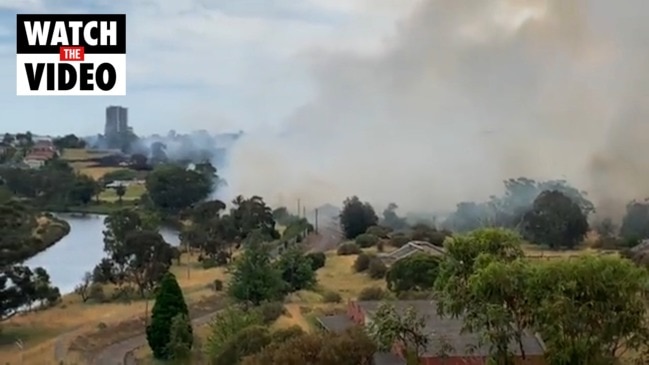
{"type": "Point", "coordinates": [298, 208]}
{"type": "Point", "coordinates": [316, 220]}
{"type": "Point", "coordinates": [304, 212]}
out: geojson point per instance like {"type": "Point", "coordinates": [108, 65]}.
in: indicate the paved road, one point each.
{"type": "Point", "coordinates": [328, 238]}
{"type": "Point", "coordinates": [116, 354]}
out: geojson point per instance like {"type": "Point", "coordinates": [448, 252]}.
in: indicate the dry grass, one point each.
{"type": "Point", "coordinates": [94, 172]}
{"type": "Point", "coordinates": [80, 154]}
{"type": "Point", "coordinates": [81, 321]}
{"type": "Point", "coordinates": [338, 275]}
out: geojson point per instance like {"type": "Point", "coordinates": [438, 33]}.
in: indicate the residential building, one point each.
{"type": "Point", "coordinates": [40, 153]}
{"type": "Point", "coordinates": [410, 249]}
{"type": "Point", "coordinates": [448, 344]}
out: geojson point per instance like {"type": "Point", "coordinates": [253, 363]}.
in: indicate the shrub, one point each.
{"type": "Point", "coordinates": [169, 303]}
{"type": "Point", "coordinates": [285, 334]}
{"type": "Point", "coordinates": [362, 262]}
{"type": "Point", "coordinates": [380, 246]}
{"type": "Point", "coordinates": [348, 248]}
{"type": "Point", "coordinates": [331, 297]}
{"type": "Point", "coordinates": [218, 285]}
{"type": "Point", "coordinates": [270, 311]}
{"type": "Point", "coordinates": [318, 260]}
{"type": "Point", "coordinates": [208, 263]}
{"type": "Point", "coordinates": [96, 293]}
{"type": "Point", "coordinates": [366, 240]}
{"type": "Point", "coordinates": [377, 269]}
{"type": "Point", "coordinates": [372, 293]}
{"type": "Point", "coordinates": [378, 231]}
{"type": "Point", "coordinates": [398, 240]}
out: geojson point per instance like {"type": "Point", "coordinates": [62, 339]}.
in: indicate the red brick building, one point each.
{"type": "Point", "coordinates": [464, 347]}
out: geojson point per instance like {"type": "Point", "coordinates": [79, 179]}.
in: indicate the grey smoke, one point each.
{"type": "Point", "coordinates": [466, 94]}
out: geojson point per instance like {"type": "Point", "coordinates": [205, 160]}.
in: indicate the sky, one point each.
{"type": "Point", "coordinates": [219, 65]}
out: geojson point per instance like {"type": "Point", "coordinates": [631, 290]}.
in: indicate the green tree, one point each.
{"type": "Point", "coordinates": [356, 217]}
{"type": "Point", "coordinates": [459, 263]}
{"type": "Point", "coordinates": [555, 220]}
{"type": "Point", "coordinates": [169, 303]}
{"type": "Point", "coordinates": [416, 272]}
{"type": "Point", "coordinates": [246, 342]}
{"type": "Point", "coordinates": [120, 190]}
{"type": "Point", "coordinates": [591, 309]}
{"type": "Point", "coordinates": [172, 188]}
{"type": "Point", "coordinates": [296, 271]}
{"type": "Point", "coordinates": [635, 224]}
{"type": "Point", "coordinates": [499, 309]}
{"type": "Point", "coordinates": [226, 325]}
{"type": "Point", "coordinates": [389, 326]}
{"type": "Point", "coordinates": [251, 215]}
{"type": "Point", "coordinates": [83, 190]}
{"type": "Point", "coordinates": [254, 278]}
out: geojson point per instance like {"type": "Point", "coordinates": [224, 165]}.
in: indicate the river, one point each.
{"type": "Point", "coordinates": [79, 251]}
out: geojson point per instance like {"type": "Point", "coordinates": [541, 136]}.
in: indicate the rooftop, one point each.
{"type": "Point", "coordinates": [444, 331]}
{"type": "Point", "coordinates": [336, 324]}
{"type": "Point", "coordinates": [411, 248]}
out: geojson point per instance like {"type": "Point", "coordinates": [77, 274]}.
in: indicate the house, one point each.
{"type": "Point", "coordinates": [41, 152]}
{"type": "Point", "coordinates": [410, 249]}
{"type": "Point", "coordinates": [448, 344]}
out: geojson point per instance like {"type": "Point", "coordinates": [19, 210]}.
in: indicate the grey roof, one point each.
{"type": "Point", "coordinates": [335, 323]}
{"type": "Point", "coordinates": [444, 331]}
{"type": "Point", "coordinates": [411, 248]}
{"type": "Point", "coordinates": [388, 358]}
{"type": "Point", "coordinates": [642, 246]}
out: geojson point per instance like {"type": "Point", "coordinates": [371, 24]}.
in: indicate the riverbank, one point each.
{"type": "Point", "coordinates": [49, 230]}
{"type": "Point", "coordinates": [102, 208]}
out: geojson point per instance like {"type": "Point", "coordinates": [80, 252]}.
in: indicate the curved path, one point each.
{"type": "Point", "coordinates": [118, 353]}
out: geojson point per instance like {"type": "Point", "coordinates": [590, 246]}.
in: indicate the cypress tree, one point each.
{"type": "Point", "coordinates": [169, 303]}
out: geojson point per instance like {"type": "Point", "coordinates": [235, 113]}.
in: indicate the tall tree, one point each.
{"type": "Point", "coordinates": [255, 279]}
{"type": "Point", "coordinates": [555, 220]}
{"type": "Point", "coordinates": [172, 188]}
{"type": "Point", "coordinates": [356, 217]}
{"type": "Point", "coordinates": [590, 310]}
{"type": "Point", "coordinates": [169, 303]}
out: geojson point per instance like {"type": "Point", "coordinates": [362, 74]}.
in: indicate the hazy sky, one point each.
{"type": "Point", "coordinates": [212, 64]}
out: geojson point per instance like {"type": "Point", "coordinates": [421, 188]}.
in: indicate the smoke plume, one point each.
{"type": "Point", "coordinates": [466, 94]}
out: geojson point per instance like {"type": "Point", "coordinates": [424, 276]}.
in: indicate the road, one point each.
{"type": "Point", "coordinates": [328, 238]}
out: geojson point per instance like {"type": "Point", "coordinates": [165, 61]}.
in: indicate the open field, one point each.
{"type": "Point", "coordinates": [90, 326]}
{"type": "Point", "coordinates": [78, 154]}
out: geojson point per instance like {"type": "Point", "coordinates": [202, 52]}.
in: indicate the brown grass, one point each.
{"type": "Point", "coordinates": [94, 172]}
{"type": "Point", "coordinates": [338, 275]}
{"type": "Point", "coordinates": [81, 321]}
{"type": "Point", "coordinates": [80, 154]}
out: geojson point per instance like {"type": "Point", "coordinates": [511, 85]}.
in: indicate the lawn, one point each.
{"type": "Point", "coordinates": [133, 192]}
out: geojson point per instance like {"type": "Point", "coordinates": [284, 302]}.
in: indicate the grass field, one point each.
{"type": "Point", "coordinates": [133, 192]}
{"type": "Point", "coordinates": [77, 154]}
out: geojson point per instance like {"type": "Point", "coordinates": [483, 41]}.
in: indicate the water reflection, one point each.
{"type": "Point", "coordinates": [79, 251]}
